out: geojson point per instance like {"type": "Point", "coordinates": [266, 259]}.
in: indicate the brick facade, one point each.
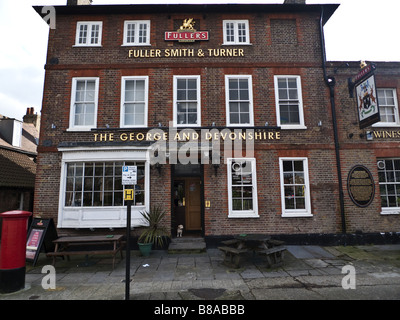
{"type": "Point", "coordinates": [284, 40]}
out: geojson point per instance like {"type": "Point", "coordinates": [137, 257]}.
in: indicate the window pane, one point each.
{"type": "Point", "coordinates": [87, 199]}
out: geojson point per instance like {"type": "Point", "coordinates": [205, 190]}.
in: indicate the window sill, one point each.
{"type": "Point", "coordinates": [237, 44]}
{"type": "Point", "coordinates": [293, 127]}
{"type": "Point", "coordinates": [239, 125]}
{"type": "Point", "coordinates": [390, 211]}
{"type": "Point", "coordinates": [296, 215]}
{"type": "Point", "coordinates": [243, 215]}
{"type": "Point", "coordinates": [386, 125]}
{"type": "Point", "coordinates": [87, 46]}
{"type": "Point", "coordinates": [80, 129]}
{"type": "Point", "coordinates": [136, 45]}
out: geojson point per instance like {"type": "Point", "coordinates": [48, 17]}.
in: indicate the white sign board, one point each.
{"type": "Point", "coordinates": [129, 175]}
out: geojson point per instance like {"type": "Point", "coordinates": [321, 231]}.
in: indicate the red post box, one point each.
{"type": "Point", "coordinates": [13, 250]}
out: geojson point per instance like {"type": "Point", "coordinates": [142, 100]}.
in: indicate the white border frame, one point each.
{"type": "Point", "coordinates": [72, 126]}
{"type": "Point", "coordinates": [251, 108]}
{"type": "Point", "coordinates": [108, 216]}
{"type": "Point", "coordinates": [146, 102]}
{"type": "Point", "coordinates": [147, 43]}
{"type": "Point", "coordinates": [90, 24]}
{"type": "Point", "coordinates": [296, 212]}
{"type": "Point", "coordinates": [381, 124]}
{"type": "Point", "coordinates": [242, 213]}
{"type": "Point", "coordinates": [301, 125]}
{"type": "Point", "coordinates": [236, 31]}
{"type": "Point", "coordinates": [175, 93]}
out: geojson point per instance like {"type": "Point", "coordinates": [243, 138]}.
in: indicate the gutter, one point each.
{"type": "Point", "coordinates": [331, 82]}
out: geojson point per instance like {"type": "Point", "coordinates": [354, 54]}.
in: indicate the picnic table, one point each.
{"type": "Point", "coordinates": [63, 246]}
{"type": "Point", "coordinates": [236, 249]}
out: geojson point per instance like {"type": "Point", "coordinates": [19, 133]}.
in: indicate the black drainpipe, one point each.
{"type": "Point", "coordinates": [331, 82]}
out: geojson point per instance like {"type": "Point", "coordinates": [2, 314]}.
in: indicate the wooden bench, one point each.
{"type": "Point", "coordinates": [274, 256]}
{"type": "Point", "coordinates": [232, 256]}
{"type": "Point", "coordinates": [63, 244]}
{"type": "Point", "coordinates": [274, 242]}
{"type": "Point", "coordinates": [231, 242]}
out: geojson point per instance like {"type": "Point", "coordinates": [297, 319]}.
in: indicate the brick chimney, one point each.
{"type": "Point", "coordinates": [32, 117]}
{"type": "Point", "coordinates": [295, 2]}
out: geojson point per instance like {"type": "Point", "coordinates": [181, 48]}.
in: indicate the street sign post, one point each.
{"type": "Point", "coordinates": [129, 177]}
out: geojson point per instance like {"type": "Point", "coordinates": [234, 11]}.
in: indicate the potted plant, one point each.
{"type": "Point", "coordinates": [154, 232]}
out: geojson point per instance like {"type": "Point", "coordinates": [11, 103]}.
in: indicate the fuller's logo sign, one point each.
{"type": "Point", "coordinates": [186, 33]}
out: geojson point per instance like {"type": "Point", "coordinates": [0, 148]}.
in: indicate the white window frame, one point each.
{"type": "Point", "coordinates": [175, 101]}
{"type": "Point", "coordinates": [387, 210]}
{"type": "Point", "coordinates": [90, 25]}
{"type": "Point", "coordinates": [101, 217]}
{"type": "Point", "coordinates": [251, 111]}
{"type": "Point", "coordinates": [301, 124]}
{"type": "Point", "coordinates": [242, 213]}
{"type": "Point", "coordinates": [296, 212]}
{"type": "Point", "coordinates": [146, 100]}
{"type": "Point", "coordinates": [396, 123]}
{"type": "Point", "coordinates": [72, 126]}
{"type": "Point", "coordinates": [236, 32]}
{"type": "Point", "coordinates": [136, 42]}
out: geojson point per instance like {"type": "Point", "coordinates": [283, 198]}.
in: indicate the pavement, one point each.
{"type": "Point", "coordinates": [369, 272]}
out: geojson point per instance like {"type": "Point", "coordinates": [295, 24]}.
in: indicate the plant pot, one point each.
{"type": "Point", "coordinates": [145, 248]}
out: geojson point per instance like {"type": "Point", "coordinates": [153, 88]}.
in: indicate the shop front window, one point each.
{"type": "Point", "coordinates": [99, 184]}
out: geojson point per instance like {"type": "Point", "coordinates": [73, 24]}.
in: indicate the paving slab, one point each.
{"type": "Point", "coordinates": [309, 252]}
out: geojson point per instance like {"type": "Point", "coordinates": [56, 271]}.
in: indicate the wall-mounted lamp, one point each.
{"type": "Point", "coordinates": [215, 165]}
{"type": "Point", "coordinates": [266, 124]}
{"type": "Point", "coordinates": [319, 123]}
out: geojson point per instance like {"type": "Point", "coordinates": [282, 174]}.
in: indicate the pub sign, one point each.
{"type": "Point", "coordinates": [366, 96]}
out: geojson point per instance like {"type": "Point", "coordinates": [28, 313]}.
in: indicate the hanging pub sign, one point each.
{"type": "Point", "coordinates": [366, 96]}
{"type": "Point", "coordinates": [360, 185]}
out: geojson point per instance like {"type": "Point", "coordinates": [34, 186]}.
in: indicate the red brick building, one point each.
{"type": "Point", "coordinates": [225, 110]}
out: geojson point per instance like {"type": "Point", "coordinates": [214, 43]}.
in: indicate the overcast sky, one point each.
{"type": "Point", "coordinates": [358, 30]}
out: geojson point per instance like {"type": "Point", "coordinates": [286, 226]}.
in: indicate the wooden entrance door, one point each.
{"type": "Point", "coordinates": [187, 203]}
{"type": "Point", "coordinates": [193, 203]}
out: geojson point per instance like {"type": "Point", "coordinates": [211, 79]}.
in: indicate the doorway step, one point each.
{"type": "Point", "coordinates": [187, 245]}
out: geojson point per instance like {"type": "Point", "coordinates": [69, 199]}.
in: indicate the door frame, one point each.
{"type": "Point", "coordinates": [174, 177]}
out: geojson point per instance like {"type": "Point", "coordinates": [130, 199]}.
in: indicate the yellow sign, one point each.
{"type": "Point", "coordinates": [154, 135]}
{"type": "Point", "coordinates": [128, 194]}
{"type": "Point", "coordinates": [184, 52]}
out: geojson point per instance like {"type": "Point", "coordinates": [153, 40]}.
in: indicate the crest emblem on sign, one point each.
{"type": "Point", "coordinates": [187, 25]}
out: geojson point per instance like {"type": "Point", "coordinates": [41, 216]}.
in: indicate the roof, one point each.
{"type": "Point", "coordinates": [28, 140]}
{"type": "Point", "coordinates": [329, 9]}
{"type": "Point", "coordinates": [17, 169]}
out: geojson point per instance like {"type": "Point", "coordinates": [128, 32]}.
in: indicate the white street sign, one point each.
{"type": "Point", "coordinates": [129, 175]}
